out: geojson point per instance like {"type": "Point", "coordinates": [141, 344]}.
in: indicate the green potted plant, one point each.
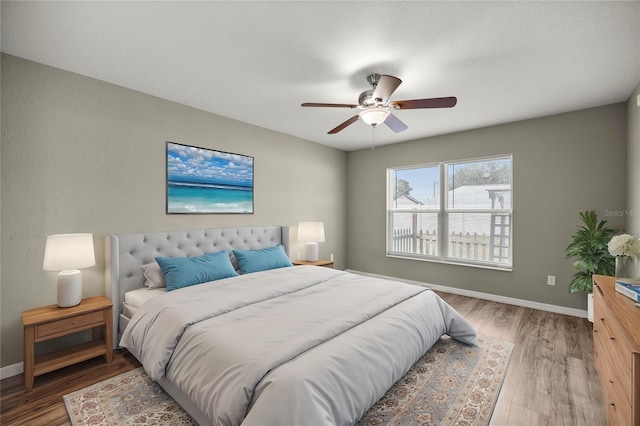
{"type": "Point", "coordinates": [589, 246]}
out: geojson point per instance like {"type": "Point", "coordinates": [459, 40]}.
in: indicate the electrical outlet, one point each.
{"type": "Point", "coordinates": [551, 280]}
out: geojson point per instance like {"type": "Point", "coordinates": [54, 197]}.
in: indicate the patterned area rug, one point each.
{"type": "Point", "coordinates": [452, 384]}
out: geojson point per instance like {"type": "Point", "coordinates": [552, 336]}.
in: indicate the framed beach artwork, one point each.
{"type": "Point", "coordinates": [201, 180]}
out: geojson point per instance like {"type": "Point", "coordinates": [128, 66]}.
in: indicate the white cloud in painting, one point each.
{"type": "Point", "coordinates": [205, 165]}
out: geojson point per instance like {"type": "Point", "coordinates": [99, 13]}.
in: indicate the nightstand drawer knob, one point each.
{"type": "Point", "coordinates": [75, 322]}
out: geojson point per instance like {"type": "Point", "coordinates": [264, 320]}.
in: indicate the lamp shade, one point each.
{"type": "Point", "coordinates": [311, 232]}
{"type": "Point", "coordinates": [374, 116]}
{"type": "Point", "coordinates": [68, 251]}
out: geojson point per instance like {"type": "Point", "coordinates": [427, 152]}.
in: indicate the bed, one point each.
{"type": "Point", "coordinates": [280, 345]}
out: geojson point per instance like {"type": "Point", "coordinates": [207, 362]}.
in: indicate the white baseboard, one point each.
{"type": "Point", "coordinates": [487, 296]}
{"type": "Point", "coordinates": [11, 370]}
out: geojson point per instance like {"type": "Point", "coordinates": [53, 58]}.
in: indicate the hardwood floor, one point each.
{"type": "Point", "coordinates": [44, 405]}
{"type": "Point", "coordinates": [551, 378]}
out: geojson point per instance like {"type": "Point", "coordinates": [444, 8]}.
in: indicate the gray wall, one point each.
{"type": "Point", "coordinates": [80, 155]}
{"type": "Point", "coordinates": [563, 164]}
{"type": "Point", "coordinates": [633, 164]}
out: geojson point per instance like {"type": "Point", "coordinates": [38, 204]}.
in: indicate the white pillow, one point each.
{"type": "Point", "coordinates": [154, 276]}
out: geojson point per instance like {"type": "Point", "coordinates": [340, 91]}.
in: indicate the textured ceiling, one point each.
{"type": "Point", "coordinates": [258, 61]}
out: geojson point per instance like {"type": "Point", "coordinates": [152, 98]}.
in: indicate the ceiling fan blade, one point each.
{"type": "Point", "coordinates": [426, 103]}
{"type": "Point", "coordinates": [343, 125]}
{"type": "Point", "coordinates": [313, 104]}
{"type": "Point", "coordinates": [395, 124]}
{"type": "Point", "coordinates": [385, 87]}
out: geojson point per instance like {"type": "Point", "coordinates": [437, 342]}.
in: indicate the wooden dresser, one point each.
{"type": "Point", "coordinates": [616, 344]}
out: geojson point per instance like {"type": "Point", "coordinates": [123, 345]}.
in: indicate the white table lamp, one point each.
{"type": "Point", "coordinates": [311, 233]}
{"type": "Point", "coordinates": [67, 253]}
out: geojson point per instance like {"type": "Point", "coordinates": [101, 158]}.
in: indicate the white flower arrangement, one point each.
{"type": "Point", "coordinates": [624, 245]}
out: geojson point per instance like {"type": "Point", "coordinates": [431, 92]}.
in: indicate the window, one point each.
{"type": "Point", "coordinates": [458, 211]}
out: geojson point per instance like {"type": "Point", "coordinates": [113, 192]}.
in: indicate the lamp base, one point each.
{"type": "Point", "coordinates": [311, 252]}
{"type": "Point", "coordinates": [69, 288]}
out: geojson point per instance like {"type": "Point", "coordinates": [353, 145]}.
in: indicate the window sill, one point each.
{"type": "Point", "coordinates": [508, 268]}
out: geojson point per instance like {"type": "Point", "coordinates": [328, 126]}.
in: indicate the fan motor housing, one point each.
{"type": "Point", "coordinates": [366, 98]}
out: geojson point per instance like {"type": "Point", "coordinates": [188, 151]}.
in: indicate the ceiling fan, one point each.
{"type": "Point", "coordinates": [375, 107]}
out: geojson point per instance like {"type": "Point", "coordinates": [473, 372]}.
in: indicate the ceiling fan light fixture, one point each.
{"type": "Point", "coordinates": [374, 116]}
{"type": "Point", "coordinates": [375, 105]}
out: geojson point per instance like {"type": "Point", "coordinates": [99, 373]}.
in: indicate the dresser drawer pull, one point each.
{"type": "Point", "coordinates": [75, 322]}
{"type": "Point", "coordinates": [597, 287]}
{"type": "Point", "coordinates": [610, 381]}
{"type": "Point", "coordinates": [612, 338]}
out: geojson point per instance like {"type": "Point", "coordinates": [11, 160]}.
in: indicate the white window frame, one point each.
{"type": "Point", "coordinates": [443, 213]}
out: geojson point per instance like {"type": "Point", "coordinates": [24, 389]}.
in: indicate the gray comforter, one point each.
{"type": "Point", "coordinates": [294, 346]}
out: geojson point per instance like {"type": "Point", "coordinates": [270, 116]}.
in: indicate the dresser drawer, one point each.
{"type": "Point", "coordinates": [616, 401]}
{"type": "Point", "coordinates": [616, 344]}
{"type": "Point", "coordinates": [614, 349]}
{"type": "Point", "coordinates": [618, 407]}
{"type": "Point", "coordinates": [69, 325]}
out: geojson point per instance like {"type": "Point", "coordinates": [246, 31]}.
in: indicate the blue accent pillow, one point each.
{"type": "Point", "coordinates": [261, 260]}
{"type": "Point", "coordinates": [182, 272]}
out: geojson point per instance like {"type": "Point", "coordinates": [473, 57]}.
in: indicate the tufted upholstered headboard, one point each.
{"type": "Point", "coordinates": [126, 253]}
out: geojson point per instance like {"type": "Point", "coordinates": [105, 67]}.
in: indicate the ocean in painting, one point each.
{"type": "Point", "coordinates": [192, 197]}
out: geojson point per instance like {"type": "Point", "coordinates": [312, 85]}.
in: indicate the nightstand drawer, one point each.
{"type": "Point", "coordinates": [325, 263]}
{"type": "Point", "coordinates": [72, 324]}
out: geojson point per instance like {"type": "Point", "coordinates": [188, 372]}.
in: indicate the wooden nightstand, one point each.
{"type": "Point", "coordinates": [51, 321]}
{"type": "Point", "coordinates": [325, 263]}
